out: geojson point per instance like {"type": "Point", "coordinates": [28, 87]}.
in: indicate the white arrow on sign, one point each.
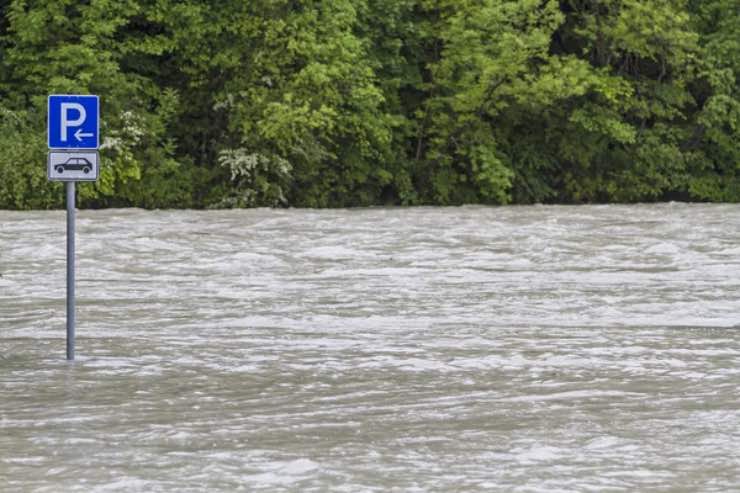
{"type": "Point", "coordinates": [79, 135]}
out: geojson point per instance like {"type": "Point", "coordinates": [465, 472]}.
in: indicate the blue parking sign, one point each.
{"type": "Point", "coordinates": [74, 122]}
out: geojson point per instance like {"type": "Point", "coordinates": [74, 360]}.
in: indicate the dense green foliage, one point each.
{"type": "Point", "coordinates": [234, 103]}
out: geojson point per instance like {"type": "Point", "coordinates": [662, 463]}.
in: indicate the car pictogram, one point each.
{"type": "Point", "coordinates": [74, 164]}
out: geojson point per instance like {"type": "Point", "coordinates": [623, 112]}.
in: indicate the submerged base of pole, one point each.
{"type": "Point", "coordinates": [70, 188]}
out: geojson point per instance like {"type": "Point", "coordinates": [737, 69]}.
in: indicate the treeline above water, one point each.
{"type": "Point", "coordinates": [237, 103]}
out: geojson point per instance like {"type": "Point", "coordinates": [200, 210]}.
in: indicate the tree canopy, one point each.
{"type": "Point", "coordinates": [337, 103]}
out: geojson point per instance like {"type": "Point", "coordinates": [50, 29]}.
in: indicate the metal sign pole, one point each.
{"type": "Point", "coordinates": [73, 136]}
{"type": "Point", "coordinates": [70, 270]}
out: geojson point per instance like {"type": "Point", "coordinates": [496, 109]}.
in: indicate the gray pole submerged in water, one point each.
{"type": "Point", "coordinates": [70, 270]}
{"type": "Point", "coordinates": [73, 137]}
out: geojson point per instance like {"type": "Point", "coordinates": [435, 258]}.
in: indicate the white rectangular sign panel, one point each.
{"type": "Point", "coordinates": [73, 165]}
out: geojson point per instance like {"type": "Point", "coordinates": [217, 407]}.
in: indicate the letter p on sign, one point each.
{"type": "Point", "coordinates": [67, 122]}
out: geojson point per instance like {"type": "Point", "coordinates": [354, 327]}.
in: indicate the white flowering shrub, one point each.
{"type": "Point", "coordinates": [257, 179]}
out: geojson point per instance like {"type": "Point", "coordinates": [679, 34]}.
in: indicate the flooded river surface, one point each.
{"type": "Point", "coordinates": [590, 348]}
